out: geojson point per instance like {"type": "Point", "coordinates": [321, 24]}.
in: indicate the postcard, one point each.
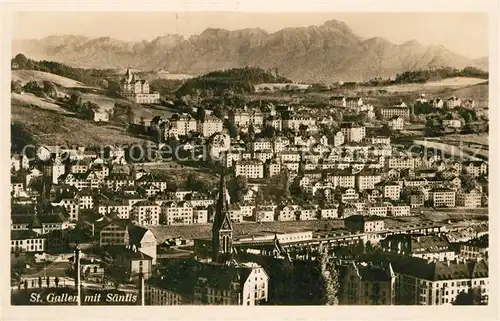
{"type": "Point", "coordinates": [250, 158]}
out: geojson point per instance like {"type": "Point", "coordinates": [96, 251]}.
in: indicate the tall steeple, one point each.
{"type": "Point", "coordinates": [222, 230]}
{"type": "Point", "coordinates": [128, 75]}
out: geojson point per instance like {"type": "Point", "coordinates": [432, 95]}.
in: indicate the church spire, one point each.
{"type": "Point", "coordinates": [222, 231]}
{"type": "Point", "coordinates": [128, 74]}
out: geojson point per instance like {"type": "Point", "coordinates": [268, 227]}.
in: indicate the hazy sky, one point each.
{"type": "Point", "coordinates": [463, 33]}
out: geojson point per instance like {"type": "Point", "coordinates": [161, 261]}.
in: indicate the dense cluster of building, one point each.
{"type": "Point", "coordinates": [349, 176]}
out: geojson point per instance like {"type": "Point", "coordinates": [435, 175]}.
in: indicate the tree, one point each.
{"type": "Point", "coordinates": [471, 297]}
{"type": "Point", "coordinates": [231, 128]}
{"type": "Point", "coordinates": [39, 281]}
{"type": "Point", "coordinates": [219, 112]}
{"type": "Point", "coordinates": [48, 281]}
{"type": "Point", "coordinates": [113, 88]}
{"type": "Point", "coordinates": [16, 87]}
{"type": "Point", "coordinates": [130, 114]}
{"type": "Point", "coordinates": [141, 191]}
{"type": "Point", "coordinates": [251, 132]}
{"type": "Point", "coordinates": [21, 60]}
{"type": "Point", "coordinates": [237, 188]}
{"type": "Point", "coordinates": [88, 109]}
{"type": "Point", "coordinates": [330, 276]}
{"type": "Point", "coordinates": [195, 183]}
{"type": "Point", "coordinates": [200, 113]}
{"type": "Point", "coordinates": [434, 127]}
{"type": "Point", "coordinates": [32, 87]}
{"type": "Point", "coordinates": [25, 284]}
{"type": "Point", "coordinates": [268, 131]}
{"type": "Point", "coordinates": [259, 197]}
{"type": "Point", "coordinates": [75, 99]}
{"type": "Point", "coordinates": [49, 88]}
{"type": "Point", "coordinates": [468, 182]}
{"type": "Point", "coordinates": [301, 169]}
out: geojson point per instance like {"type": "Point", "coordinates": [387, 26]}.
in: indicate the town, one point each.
{"type": "Point", "coordinates": [347, 199]}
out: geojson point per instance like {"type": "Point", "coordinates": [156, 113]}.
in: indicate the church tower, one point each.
{"type": "Point", "coordinates": [128, 75]}
{"type": "Point", "coordinates": [222, 230]}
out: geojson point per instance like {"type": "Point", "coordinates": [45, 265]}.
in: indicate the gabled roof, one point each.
{"type": "Point", "coordinates": [136, 233]}
{"type": "Point", "coordinates": [23, 235]}
{"type": "Point", "coordinates": [145, 203]}
{"type": "Point", "coordinates": [441, 270]}
{"type": "Point", "coordinates": [222, 276]}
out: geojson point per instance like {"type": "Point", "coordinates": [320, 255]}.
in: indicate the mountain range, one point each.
{"type": "Point", "coordinates": [326, 53]}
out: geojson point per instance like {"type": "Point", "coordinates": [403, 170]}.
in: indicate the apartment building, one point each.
{"type": "Point", "coordinates": [27, 241]}
{"type": "Point", "coordinates": [245, 284]}
{"type": "Point", "coordinates": [249, 168]}
{"type": "Point", "coordinates": [146, 213]}
{"type": "Point", "coordinates": [353, 132]}
{"type": "Point", "coordinates": [469, 199]}
{"type": "Point", "coordinates": [285, 213]}
{"type": "Point", "coordinates": [389, 112]}
{"type": "Point", "coordinates": [367, 179]}
{"type": "Point", "coordinates": [442, 197]}
{"type": "Point", "coordinates": [182, 124]}
{"type": "Point", "coordinates": [367, 284]}
{"type": "Point", "coordinates": [243, 118]}
{"type": "Point", "coordinates": [475, 168]}
{"type": "Point", "coordinates": [177, 213]}
{"type": "Point", "coordinates": [263, 214]}
{"type": "Point", "coordinates": [209, 125]}
{"type": "Point", "coordinates": [424, 282]}
{"type": "Point", "coordinates": [400, 163]}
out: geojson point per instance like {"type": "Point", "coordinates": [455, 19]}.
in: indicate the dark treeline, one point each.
{"type": "Point", "coordinates": [423, 76]}
{"type": "Point", "coordinates": [91, 77]}
{"type": "Point", "coordinates": [241, 80]}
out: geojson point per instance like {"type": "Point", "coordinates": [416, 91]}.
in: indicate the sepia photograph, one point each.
{"type": "Point", "coordinates": [249, 158]}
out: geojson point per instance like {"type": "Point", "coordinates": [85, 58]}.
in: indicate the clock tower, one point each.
{"type": "Point", "coordinates": [222, 230]}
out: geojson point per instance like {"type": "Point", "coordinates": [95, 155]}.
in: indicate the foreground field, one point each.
{"type": "Point", "coordinates": [30, 99]}
{"type": "Point", "coordinates": [52, 128]}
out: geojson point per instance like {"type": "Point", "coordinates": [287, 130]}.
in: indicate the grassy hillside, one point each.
{"type": "Point", "coordinates": [28, 99]}
{"type": "Point", "coordinates": [25, 76]}
{"type": "Point", "coordinates": [90, 77]}
{"type": "Point", "coordinates": [478, 92]}
{"type": "Point", "coordinates": [53, 128]}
